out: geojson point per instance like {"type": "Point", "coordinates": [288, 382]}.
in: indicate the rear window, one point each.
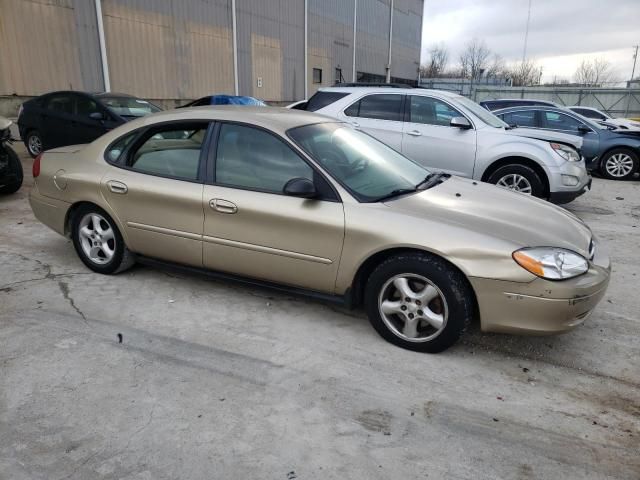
{"type": "Point", "coordinates": [322, 99]}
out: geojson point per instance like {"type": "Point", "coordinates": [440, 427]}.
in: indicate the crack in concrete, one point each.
{"type": "Point", "coordinates": [64, 288]}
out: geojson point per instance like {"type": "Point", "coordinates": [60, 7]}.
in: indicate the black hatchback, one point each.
{"type": "Point", "coordinates": [58, 119]}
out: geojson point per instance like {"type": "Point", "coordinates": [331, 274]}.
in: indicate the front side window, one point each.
{"type": "Point", "coordinates": [253, 159]}
{"type": "Point", "coordinates": [560, 121]}
{"type": "Point", "coordinates": [363, 165]}
{"type": "Point", "coordinates": [521, 119]}
{"type": "Point", "coordinates": [170, 151]}
{"type": "Point", "coordinates": [378, 107]}
{"type": "Point", "coordinates": [60, 104]}
{"type": "Point", "coordinates": [85, 106]}
{"type": "Point", "coordinates": [430, 111]}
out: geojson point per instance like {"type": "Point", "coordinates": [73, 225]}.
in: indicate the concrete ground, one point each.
{"type": "Point", "coordinates": [216, 380]}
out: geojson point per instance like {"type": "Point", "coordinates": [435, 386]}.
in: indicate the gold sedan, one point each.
{"type": "Point", "coordinates": [300, 201]}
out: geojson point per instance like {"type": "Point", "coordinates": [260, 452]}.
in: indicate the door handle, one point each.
{"type": "Point", "coordinates": [117, 187]}
{"type": "Point", "coordinates": [414, 133]}
{"type": "Point", "coordinates": [355, 124]}
{"type": "Point", "coordinates": [223, 206]}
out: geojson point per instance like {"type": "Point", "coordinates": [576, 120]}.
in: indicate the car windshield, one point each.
{"type": "Point", "coordinates": [482, 113]}
{"type": "Point", "coordinates": [366, 167]}
{"type": "Point", "coordinates": [129, 106]}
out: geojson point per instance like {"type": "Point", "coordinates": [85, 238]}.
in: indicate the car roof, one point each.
{"type": "Point", "coordinates": [396, 90]}
{"type": "Point", "coordinates": [272, 118]}
{"type": "Point", "coordinates": [514, 100]}
{"type": "Point", "coordinates": [532, 107]}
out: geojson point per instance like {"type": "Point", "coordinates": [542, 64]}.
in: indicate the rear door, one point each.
{"type": "Point", "coordinates": [430, 140]}
{"type": "Point", "coordinates": [155, 189]}
{"type": "Point", "coordinates": [380, 115]}
{"type": "Point", "coordinates": [55, 121]}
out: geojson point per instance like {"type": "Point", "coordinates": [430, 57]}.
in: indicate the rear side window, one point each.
{"type": "Point", "coordinates": [322, 99]}
{"type": "Point", "coordinates": [560, 121]}
{"type": "Point", "coordinates": [378, 107]}
{"type": "Point", "coordinates": [521, 119]}
{"type": "Point", "coordinates": [115, 150]}
{"type": "Point", "coordinates": [60, 104]}
{"type": "Point", "coordinates": [170, 151]}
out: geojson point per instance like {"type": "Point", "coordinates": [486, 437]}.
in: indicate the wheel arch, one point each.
{"type": "Point", "coordinates": [521, 161]}
{"type": "Point", "coordinates": [77, 205]}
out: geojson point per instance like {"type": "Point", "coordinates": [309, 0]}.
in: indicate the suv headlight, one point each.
{"type": "Point", "coordinates": [551, 263]}
{"type": "Point", "coordinates": [568, 153]}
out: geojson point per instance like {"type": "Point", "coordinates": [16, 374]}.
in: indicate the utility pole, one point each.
{"type": "Point", "coordinates": [635, 59]}
{"type": "Point", "coordinates": [526, 34]}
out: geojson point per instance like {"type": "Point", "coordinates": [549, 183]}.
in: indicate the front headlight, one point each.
{"type": "Point", "coordinates": [551, 263]}
{"type": "Point", "coordinates": [568, 153]}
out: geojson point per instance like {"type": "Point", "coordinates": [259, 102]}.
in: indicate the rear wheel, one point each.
{"type": "Point", "coordinates": [33, 142]}
{"type": "Point", "coordinates": [619, 164]}
{"type": "Point", "coordinates": [14, 168]}
{"type": "Point", "coordinates": [519, 178]}
{"type": "Point", "coordinates": [419, 302]}
{"type": "Point", "coordinates": [98, 241]}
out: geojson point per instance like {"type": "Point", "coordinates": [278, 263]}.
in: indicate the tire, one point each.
{"type": "Point", "coordinates": [14, 165]}
{"type": "Point", "coordinates": [523, 175]}
{"type": "Point", "coordinates": [32, 141]}
{"type": "Point", "coordinates": [104, 251]}
{"type": "Point", "coordinates": [619, 164]}
{"type": "Point", "coordinates": [439, 295]}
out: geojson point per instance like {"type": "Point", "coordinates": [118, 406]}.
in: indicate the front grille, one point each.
{"type": "Point", "coordinates": [592, 249]}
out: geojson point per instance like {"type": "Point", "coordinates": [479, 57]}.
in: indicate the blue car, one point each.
{"type": "Point", "coordinates": [225, 100]}
{"type": "Point", "coordinates": [614, 153]}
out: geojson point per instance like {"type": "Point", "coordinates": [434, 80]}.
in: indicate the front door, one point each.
{"type": "Point", "coordinates": [252, 229]}
{"type": "Point", "coordinates": [430, 140]}
{"type": "Point", "coordinates": [85, 128]}
{"type": "Point", "coordinates": [156, 191]}
{"type": "Point", "coordinates": [380, 115]}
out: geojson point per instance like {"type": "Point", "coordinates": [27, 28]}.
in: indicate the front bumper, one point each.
{"type": "Point", "coordinates": [541, 307]}
{"type": "Point", "coordinates": [569, 196]}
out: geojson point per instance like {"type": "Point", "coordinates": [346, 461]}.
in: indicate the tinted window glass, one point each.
{"type": "Point", "coordinates": [60, 104]}
{"type": "Point", "coordinates": [172, 151]}
{"type": "Point", "coordinates": [129, 106]}
{"type": "Point", "coordinates": [589, 113]}
{"type": "Point", "coordinates": [379, 107]}
{"type": "Point", "coordinates": [521, 119]}
{"type": "Point", "coordinates": [85, 106]}
{"type": "Point", "coordinates": [560, 121]}
{"type": "Point", "coordinates": [252, 158]}
{"type": "Point", "coordinates": [431, 111]}
{"type": "Point", "coordinates": [322, 99]}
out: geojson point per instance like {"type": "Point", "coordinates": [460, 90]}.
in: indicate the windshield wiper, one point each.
{"type": "Point", "coordinates": [432, 180]}
{"type": "Point", "coordinates": [396, 193]}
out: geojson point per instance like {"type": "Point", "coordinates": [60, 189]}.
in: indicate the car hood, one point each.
{"type": "Point", "coordinates": [548, 136]}
{"type": "Point", "coordinates": [523, 220]}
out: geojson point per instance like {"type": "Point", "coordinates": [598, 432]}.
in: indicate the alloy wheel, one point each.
{"type": "Point", "coordinates": [619, 165]}
{"type": "Point", "coordinates": [35, 145]}
{"type": "Point", "coordinates": [413, 308]}
{"type": "Point", "coordinates": [97, 238]}
{"type": "Point", "coordinates": [515, 182]}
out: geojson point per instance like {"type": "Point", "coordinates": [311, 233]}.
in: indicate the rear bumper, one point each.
{"type": "Point", "coordinates": [541, 307]}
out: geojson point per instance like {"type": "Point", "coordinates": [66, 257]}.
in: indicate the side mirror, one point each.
{"type": "Point", "coordinates": [300, 187]}
{"type": "Point", "coordinates": [583, 129]}
{"type": "Point", "coordinates": [96, 116]}
{"type": "Point", "coordinates": [460, 122]}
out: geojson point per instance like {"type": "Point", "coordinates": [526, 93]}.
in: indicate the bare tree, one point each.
{"type": "Point", "coordinates": [525, 73]}
{"type": "Point", "coordinates": [594, 73]}
{"type": "Point", "coordinates": [496, 67]}
{"type": "Point", "coordinates": [437, 62]}
{"type": "Point", "coordinates": [474, 59]}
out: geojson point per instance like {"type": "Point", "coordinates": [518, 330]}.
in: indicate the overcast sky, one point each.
{"type": "Point", "coordinates": [561, 32]}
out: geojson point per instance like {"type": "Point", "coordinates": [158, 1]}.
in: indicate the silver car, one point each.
{"type": "Point", "coordinates": [450, 133]}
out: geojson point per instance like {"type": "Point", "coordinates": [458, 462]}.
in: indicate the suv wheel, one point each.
{"type": "Point", "coordinates": [98, 241]}
{"type": "Point", "coordinates": [33, 142]}
{"type": "Point", "coordinates": [619, 164]}
{"type": "Point", "coordinates": [519, 178]}
{"type": "Point", "coordinates": [419, 302]}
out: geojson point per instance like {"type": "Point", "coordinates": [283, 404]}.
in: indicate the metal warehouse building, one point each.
{"type": "Point", "coordinates": [172, 50]}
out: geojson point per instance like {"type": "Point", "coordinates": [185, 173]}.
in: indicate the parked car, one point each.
{"type": "Point", "coordinates": [601, 117]}
{"type": "Point", "coordinates": [225, 100]}
{"type": "Point", "coordinates": [318, 207]}
{"type": "Point", "coordinates": [58, 119]}
{"type": "Point", "coordinates": [450, 133]}
{"type": "Point", "coordinates": [11, 174]}
{"type": "Point", "coordinates": [614, 153]}
{"type": "Point", "coordinates": [492, 105]}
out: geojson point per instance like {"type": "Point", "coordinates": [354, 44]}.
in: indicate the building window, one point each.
{"type": "Point", "coordinates": [317, 75]}
{"type": "Point", "coordinates": [339, 78]}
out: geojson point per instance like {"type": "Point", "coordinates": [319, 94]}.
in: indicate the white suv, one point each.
{"type": "Point", "coordinates": [447, 132]}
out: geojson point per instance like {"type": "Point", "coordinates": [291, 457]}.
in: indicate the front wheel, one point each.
{"type": "Point", "coordinates": [98, 241]}
{"type": "Point", "coordinates": [519, 178]}
{"type": "Point", "coordinates": [619, 164]}
{"type": "Point", "coordinates": [14, 168]}
{"type": "Point", "coordinates": [419, 302]}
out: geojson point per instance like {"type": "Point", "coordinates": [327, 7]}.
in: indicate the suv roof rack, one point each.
{"type": "Point", "coordinates": [373, 84]}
